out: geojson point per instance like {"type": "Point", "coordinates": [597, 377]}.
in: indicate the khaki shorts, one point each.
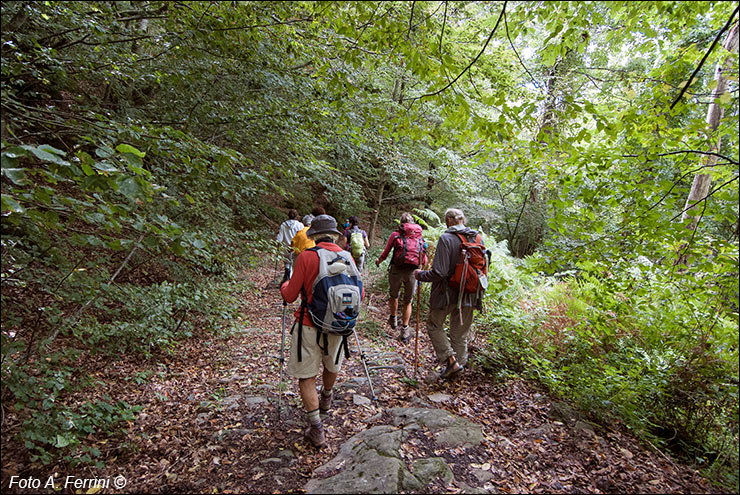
{"type": "Point", "coordinates": [398, 276]}
{"type": "Point", "coordinates": [311, 355]}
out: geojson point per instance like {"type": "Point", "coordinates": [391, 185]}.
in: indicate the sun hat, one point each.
{"type": "Point", "coordinates": [323, 225]}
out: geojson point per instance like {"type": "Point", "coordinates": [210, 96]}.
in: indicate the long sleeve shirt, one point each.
{"type": "Point", "coordinates": [388, 246]}
{"type": "Point", "coordinates": [287, 230]}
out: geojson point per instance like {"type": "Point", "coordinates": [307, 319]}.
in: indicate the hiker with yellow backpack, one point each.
{"type": "Point", "coordinates": [301, 242]}
{"type": "Point", "coordinates": [459, 276]}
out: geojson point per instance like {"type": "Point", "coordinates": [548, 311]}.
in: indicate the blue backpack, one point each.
{"type": "Point", "coordinates": [335, 305]}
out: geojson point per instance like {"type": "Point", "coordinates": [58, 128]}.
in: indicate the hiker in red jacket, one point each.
{"type": "Point", "coordinates": [401, 271]}
{"type": "Point", "coordinates": [306, 363]}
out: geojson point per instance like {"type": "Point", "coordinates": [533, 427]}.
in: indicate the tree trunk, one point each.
{"type": "Point", "coordinates": [430, 185]}
{"type": "Point", "coordinates": [376, 205]}
{"type": "Point", "coordinates": [702, 182]}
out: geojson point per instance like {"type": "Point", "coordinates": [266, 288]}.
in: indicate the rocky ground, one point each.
{"type": "Point", "coordinates": [217, 420]}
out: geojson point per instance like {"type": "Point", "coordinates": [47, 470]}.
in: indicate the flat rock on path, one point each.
{"type": "Point", "coordinates": [372, 460]}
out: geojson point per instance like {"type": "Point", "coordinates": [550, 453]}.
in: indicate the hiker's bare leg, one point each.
{"type": "Point", "coordinates": [307, 389]}
{"type": "Point", "coordinates": [327, 379]}
{"type": "Point", "coordinates": [406, 314]}
{"type": "Point", "coordinates": [393, 305]}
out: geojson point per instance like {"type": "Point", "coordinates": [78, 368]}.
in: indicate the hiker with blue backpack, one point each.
{"type": "Point", "coordinates": [459, 278]}
{"type": "Point", "coordinates": [329, 283]}
{"type": "Point", "coordinates": [409, 254]}
{"type": "Point", "coordinates": [356, 241]}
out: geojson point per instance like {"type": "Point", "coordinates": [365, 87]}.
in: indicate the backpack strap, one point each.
{"type": "Point", "coordinates": [339, 350]}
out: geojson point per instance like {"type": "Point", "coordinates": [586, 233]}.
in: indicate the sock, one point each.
{"type": "Point", "coordinates": [313, 417]}
{"type": "Point", "coordinates": [324, 392]}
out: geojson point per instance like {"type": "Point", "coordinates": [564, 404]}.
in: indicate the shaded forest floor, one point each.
{"type": "Point", "coordinates": [211, 420]}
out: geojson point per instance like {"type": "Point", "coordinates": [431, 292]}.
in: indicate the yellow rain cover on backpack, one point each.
{"type": "Point", "coordinates": [300, 242]}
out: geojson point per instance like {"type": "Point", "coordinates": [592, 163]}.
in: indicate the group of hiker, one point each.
{"type": "Point", "coordinates": [324, 266]}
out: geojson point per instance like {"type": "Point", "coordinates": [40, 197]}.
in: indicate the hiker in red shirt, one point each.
{"type": "Point", "coordinates": [306, 355]}
{"type": "Point", "coordinates": [401, 272]}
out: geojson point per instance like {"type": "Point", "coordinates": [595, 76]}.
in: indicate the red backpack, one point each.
{"type": "Point", "coordinates": [409, 247]}
{"type": "Point", "coordinates": [472, 266]}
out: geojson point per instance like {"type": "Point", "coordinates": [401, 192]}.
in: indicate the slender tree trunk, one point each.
{"type": "Point", "coordinates": [702, 182]}
{"type": "Point", "coordinates": [430, 185]}
{"type": "Point", "coordinates": [376, 204]}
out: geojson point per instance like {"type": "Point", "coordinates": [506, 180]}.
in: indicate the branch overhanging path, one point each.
{"type": "Point", "coordinates": [485, 45]}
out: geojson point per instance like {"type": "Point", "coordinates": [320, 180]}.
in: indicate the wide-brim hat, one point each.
{"type": "Point", "coordinates": [323, 225]}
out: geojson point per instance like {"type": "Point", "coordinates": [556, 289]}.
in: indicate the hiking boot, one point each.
{"type": "Point", "coordinates": [392, 321]}
{"type": "Point", "coordinates": [405, 334]}
{"type": "Point", "coordinates": [450, 371]}
{"type": "Point", "coordinates": [325, 401]}
{"type": "Point", "coordinates": [315, 435]}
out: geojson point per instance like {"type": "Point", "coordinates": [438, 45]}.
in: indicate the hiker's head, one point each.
{"type": "Point", "coordinates": [292, 214]}
{"type": "Point", "coordinates": [353, 220]}
{"type": "Point", "coordinates": [406, 218]}
{"type": "Point", "coordinates": [323, 227]}
{"type": "Point", "coordinates": [308, 219]}
{"type": "Point", "coordinates": [319, 210]}
{"type": "Point", "coordinates": [453, 216]}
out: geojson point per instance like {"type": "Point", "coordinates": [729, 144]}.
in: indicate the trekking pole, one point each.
{"type": "Point", "coordinates": [362, 358]}
{"type": "Point", "coordinates": [282, 362]}
{"type": "Point", "coordinates": [462, 284]}
{"type": "Point", "coordinates": [418, 310]}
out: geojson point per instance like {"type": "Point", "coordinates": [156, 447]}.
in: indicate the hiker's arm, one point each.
{"type": "Point", "coordinates": [387, 249]}
{"type": "Point", "coordinates": [367, 241]}
{"type": "Point", "coordinates": [440, 265]}
{"type": "Point", "coordinates": [292, 288]}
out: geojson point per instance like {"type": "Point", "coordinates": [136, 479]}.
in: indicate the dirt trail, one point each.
{"type": "Point", "coordinates": [211, 421]}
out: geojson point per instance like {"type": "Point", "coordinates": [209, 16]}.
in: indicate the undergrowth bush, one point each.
{"type": "Point", "coordinates": [637, 346]}
{"type": "Point", "coordinates": [43, 379]}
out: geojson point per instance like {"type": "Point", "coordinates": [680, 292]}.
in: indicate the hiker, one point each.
{"type": "Point", "coordinates": [409, 254]}
{"type": "Point", "coordinates": [288, 229]}
{"type": "Point", "coordinates": [356, 241]}
{"type": "Point", "coordinates": [307, 354]}
{"type": "Point", "coordinates": [444, 299]}
{"type": "Point", "coordinates": [300, 241]}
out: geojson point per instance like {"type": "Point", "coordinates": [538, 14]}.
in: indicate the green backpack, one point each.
{"type": "Point", "coordinates": [356, 243]}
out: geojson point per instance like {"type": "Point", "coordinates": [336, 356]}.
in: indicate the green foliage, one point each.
{"type": "Point", "coordinates": [150, 149]}
{"type": "Point", "coordinates": [624, 347]}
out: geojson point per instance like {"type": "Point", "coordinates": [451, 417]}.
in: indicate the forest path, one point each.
{"type": "Point", "coordinates": [211, 421]}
